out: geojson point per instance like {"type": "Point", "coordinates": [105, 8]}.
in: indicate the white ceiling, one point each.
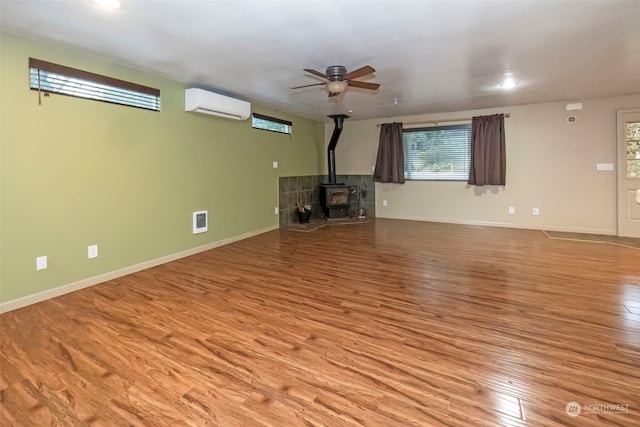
{"type": "Point", "coordinates": [434, 56]}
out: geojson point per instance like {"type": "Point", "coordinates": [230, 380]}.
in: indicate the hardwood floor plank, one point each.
{"type": "Point", "coordinates": [386, 323]}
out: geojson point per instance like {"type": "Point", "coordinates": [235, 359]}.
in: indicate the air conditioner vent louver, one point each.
{"type": "Point", "coordinates": [205, 102]}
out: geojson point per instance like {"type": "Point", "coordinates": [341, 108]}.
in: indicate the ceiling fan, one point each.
{"type": "Point", "coordinates": [338, 79]}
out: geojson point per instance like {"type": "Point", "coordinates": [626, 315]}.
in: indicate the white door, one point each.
{"type": "Point", "coordinates": [629, 173]}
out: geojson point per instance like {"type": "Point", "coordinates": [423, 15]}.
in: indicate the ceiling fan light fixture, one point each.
{"type": "Point", "coordinates": [336, 79]}
{"type": "Point", "coordinates": [337, 86]}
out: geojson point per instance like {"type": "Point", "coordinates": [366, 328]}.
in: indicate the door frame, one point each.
{"type": "Point", "coordinates": [621, 165]}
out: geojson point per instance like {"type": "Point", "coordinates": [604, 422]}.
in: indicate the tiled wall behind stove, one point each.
{"type": "Point", "coordinates": [306, 190]}
{"type": "Point", "coordinates": [368, 200]}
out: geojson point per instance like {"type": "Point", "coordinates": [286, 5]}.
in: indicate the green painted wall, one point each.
{"type": "Point", "coordinates": [77, 172]}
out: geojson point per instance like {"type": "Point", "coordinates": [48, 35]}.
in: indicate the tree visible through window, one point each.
{"type": "Point", "coordinates": [633, 150]}
{"type": "Point", "coordinates": [437, 153]}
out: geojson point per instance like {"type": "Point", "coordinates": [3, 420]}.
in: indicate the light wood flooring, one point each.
{"type": "Point", "coordinates": [386, 323]}
{"type": "Point", "coordinates": [628, 242]}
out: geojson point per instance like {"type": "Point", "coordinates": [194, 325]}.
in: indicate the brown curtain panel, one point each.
{"type": "Point", "coordinates": [488, 157]}
{"type": "Point", "coordinates": [390, 161]}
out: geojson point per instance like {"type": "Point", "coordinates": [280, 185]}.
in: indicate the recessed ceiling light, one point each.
{"type": "Point", "coordinates": [109, 4]}
{"type": "Point", "coordinates": [508, 83]}
{"type": "Point", "coordinates": [349, 111]}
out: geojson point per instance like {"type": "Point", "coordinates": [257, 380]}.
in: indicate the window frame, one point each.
{"type": "Point", "coordinates": [273, 120]}
{"type": "Point", "coordinates": [91, 78]}
{"type": "Point", "coordinates": [464, 125]}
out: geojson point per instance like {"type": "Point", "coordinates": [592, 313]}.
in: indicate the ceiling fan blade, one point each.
{"type": "Point", "coordinates": [317, 73]}
{"type": "Point", "coordinates": [315, 84]}
{"type": "Point", "coordinates": [363, 71]}
{"type": "Point", "coordinates": [364, 85]}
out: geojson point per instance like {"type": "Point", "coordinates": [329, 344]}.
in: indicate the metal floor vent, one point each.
{"type": "Point", "coordinates": [200, 222]}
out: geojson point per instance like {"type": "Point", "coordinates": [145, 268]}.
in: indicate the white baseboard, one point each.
{"type": "Point", "coordinates": [604, 231]}
{"type": "Point", "coordinates": [85, 283]}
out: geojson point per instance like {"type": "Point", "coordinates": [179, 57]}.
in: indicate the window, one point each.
{"type": "Point", "coordinates": [633, 149]}
{"type": "Point", "coordinates": [437, 153]}
{"type": "Point", "coordinates": [48, 77]}
{"type": "Point", "coordinates": [258, 121]}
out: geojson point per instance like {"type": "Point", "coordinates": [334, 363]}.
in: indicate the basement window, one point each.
{"type": "Point", "coordinates": [259, 121]}
{"type": "Point", "coordinates": [441, 153]}
{"type": "Point", "coordinates": [48, 78]}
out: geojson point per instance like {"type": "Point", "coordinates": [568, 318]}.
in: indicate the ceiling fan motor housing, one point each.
{"type": "Point", "coordinates": [336, 72]}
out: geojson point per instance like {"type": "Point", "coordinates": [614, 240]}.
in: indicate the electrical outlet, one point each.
{"type": "Point", "coordinates": [275, 165]}
{"type": "Point", "coordinates": [536, 211]}
{"type": "Point", "coordinates": [276, 210]}
{"type": "Point", "coordinates": [92, 251]}
{"type": "Point", "coordinates": [385, 203]}
{"type": "Point", "coordinates": [41, 262]}
{"type": "Point", "coordinates": [512, 210]}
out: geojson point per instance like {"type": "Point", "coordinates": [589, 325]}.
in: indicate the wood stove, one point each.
{"type": "Point", "coordinates": [334, 199]}
{"type": "Point", "coordinates": [334, 196]}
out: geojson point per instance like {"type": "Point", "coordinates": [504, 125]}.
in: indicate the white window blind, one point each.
{"type": "Point", "coordinates": [53, 78]}
{"type": "Point", "coordinates": [437, 153]}
{"type": "Point", "coordinates": [273, 124]}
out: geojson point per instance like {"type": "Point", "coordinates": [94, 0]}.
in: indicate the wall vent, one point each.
{"type": "Point", "coordinates": [200, 222]}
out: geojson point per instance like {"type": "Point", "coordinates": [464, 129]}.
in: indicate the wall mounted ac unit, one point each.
{"type": "Point", "coordinates": [203, 101]}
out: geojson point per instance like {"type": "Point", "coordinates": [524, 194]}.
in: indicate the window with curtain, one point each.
{"type": "Point", "coordinates": [488, 155]}
{"type": "Point", "coordinates": [48, 77]}
{"type": "Point", "coordinates": [440, 153]}
{"type": "Point", "coordinates": [390, 159]}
